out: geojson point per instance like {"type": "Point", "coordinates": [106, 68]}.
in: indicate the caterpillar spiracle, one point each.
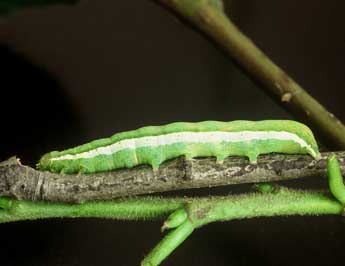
{"type": "Point", "coordinates": [153, 145]}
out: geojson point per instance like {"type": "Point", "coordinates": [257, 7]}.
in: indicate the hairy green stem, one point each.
{"type": "Point", "coordinates": [123, 209]}
{"type": "Point", "coordinates": [169, 243]}
{"type": "Point", "coordinates": [200, 211]}
{"type": "Point", "coordinates": [280, 202]}
{"type": "Point", "coordinates": [335, 180]}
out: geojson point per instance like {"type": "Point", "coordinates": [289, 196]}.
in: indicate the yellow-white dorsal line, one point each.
{"type": "Point", "coordinates": [189, 137]}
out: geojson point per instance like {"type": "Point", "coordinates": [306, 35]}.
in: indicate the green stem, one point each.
{"type": "Point", "coordinates": [335, 180]}
{"type": "Point", "coordinates": [124, 209]}
{"type": "Point", "coordinates": [169, 243]}
{"type": "Point", "coordinates": [200, 211]}
{"type": "Point", "coordinates": [281, 203]}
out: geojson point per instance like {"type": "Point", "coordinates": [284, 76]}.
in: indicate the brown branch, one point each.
{"type": "Point", "coordinates": [22, 182]}
{"type": "Point", "coordinates": [208, 16]}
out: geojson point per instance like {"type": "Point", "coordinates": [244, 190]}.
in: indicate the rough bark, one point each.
{"type": "Point", "coordinates": [22, 182]}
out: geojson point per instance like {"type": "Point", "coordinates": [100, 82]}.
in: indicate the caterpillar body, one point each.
{"type": "Point", "coordinates": [153, 145]}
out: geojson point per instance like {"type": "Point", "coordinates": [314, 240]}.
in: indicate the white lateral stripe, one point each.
{"type": "Point", "coordinates": [188, 137]}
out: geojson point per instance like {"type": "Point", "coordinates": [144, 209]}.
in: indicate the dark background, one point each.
{"type": "Point", "coordinates": [73, 74]}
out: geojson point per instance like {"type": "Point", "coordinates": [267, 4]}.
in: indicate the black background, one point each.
{"type": "Point", "coordinates": [73, 74]}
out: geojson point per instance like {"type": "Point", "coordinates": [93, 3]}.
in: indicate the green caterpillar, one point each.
{"type": "Point", "coordinates": [153, 145]}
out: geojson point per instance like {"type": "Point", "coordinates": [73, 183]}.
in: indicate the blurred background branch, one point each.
{"type": "Point", "coordinates": [209, 17]}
